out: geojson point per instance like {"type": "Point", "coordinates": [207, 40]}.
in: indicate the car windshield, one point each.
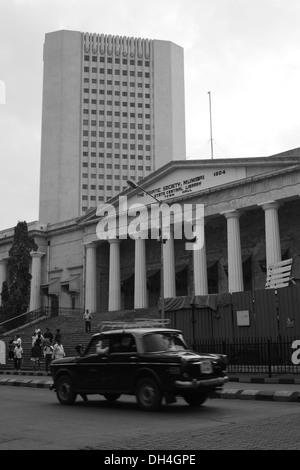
{"type": "Point", "coordinates": [156, 342]}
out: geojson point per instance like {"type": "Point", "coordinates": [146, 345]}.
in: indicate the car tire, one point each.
{"type": "Point", "coordinates": [195, 399]}
{"type": "Point", "coordinates": [111, 396]}
{"type": "Point", "coordinates": [148, 394]}
{"type": "Point", "coordinates": [64, 390]}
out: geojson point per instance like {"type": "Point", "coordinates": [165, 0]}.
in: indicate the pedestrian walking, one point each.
{"type": "Point", "coordinates": [37, 330]}
{"type": "Point", "coordinates": [87, 316]}
{"type": "Point", "coordinates": [17, 340]}
{"type": "Point", "coordinates": [48, 350]}
{"type": "Point", "coordinates": [48, 335]}
{"type": "Point", "coordinates": [36, 350]}
{"type": "Point", "coordinates": [11, 347]}
{"type": "Point", "coordinates": [58, 350]}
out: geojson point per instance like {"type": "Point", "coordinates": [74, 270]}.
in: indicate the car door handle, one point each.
{"type": "Point", "coordinates": [133, 357]}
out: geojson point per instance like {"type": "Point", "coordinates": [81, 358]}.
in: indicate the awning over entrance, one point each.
{"type": "Point", "coordinates": [72, 284]}
{"type": "Point", "coordinates": [51, 287]}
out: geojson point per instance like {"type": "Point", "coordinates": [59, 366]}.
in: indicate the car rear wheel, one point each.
{"type": "Point", "coordinates": [112, 396]}
{"type": "Point", "coordinates": [195, 399]}
{"type": "Point", "coordinates": [64, 390]}
{"type": "Point", "coordinates": [148, 395]}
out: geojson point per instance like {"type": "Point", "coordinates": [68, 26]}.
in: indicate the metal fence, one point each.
{"type": "Point", "coordinates": [256, 355]}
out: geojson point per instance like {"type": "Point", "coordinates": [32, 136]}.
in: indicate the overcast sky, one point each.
{"type": "Point", "coordinates": [245, 52]}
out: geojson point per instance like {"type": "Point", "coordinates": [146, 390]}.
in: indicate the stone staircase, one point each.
{"type": "Point", "coordinates": [72, 328]}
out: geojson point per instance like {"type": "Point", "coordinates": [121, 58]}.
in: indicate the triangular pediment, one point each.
{"type": "Point", "coordinates": [190, 177]}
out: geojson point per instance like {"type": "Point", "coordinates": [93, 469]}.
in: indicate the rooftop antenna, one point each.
{"type": "Point", "coordinates": [211, 139]}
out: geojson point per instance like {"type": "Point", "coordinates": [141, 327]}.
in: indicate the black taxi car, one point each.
{"type": "Point", "coordinates": [144, 358]}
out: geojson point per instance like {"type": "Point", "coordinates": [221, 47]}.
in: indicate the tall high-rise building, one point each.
{"type": "Point", "coordinates": [113, 109]}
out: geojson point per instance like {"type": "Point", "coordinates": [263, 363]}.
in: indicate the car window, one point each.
{"type": "Point", "coordinates": [155, 342]}
{"type": "Point", "coordinates": [99, 345]}
{"type": "Point", "coordinates": [122, 343]}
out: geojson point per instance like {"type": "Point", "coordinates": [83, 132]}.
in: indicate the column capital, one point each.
{"type": "Point", "coordinates": [232, 214]}
{"type": "Point", "coordinates": [111, 241]}
{"type": "Point", "coordinates": [37, 254]}
{"type": "Point", "coordinates": [269, 205]}
{"type": "Point", "coordinates": [91, 245]}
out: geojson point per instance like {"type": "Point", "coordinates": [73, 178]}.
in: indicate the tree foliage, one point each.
{"type": "Point", "coordinates": [16, 295]}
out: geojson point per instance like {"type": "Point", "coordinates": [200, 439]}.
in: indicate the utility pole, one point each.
{"type": "Point", "coordinates": [211, 139]}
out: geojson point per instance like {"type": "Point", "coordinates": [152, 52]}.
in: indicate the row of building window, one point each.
{"type": "Point", "coordinates": [93, 187]}
{"type": "Point", "coordinates": [109, 165]}
{"type": "Point", "coordinates": [132, 94]}
{"type": "Point", "coordinates": [116, 83]}
{"type": "Point", "coordinates": [132, 73]}
{"type": "Point", "coordinates": [117, 124]}
{"type": "Point", "coordinates": [125, 156]}
{"type": "Point", "coordinates": [109, 60]}
{"type": "Point", "coordinates": [100, 198]}
{"type": "Point", "coordinates": [109, 177]}
{"type": "Point", "coordinates": [117, 145]}
{"type": "Point", "coordinates": [116, 166]}
{"type": "Point", "coordinates": [118, 103]}
{"type": "Point", "coordinates": [117, 135]}
{"type": "Point", "coordinates": [118, 114]}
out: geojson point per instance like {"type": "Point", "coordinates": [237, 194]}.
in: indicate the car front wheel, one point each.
{"type": "Point", "coordinates": [148, 395]}
{"type": "Point", "coordinates": [64, 390]}
{"type": "Point", "coordinates": [195, 399]}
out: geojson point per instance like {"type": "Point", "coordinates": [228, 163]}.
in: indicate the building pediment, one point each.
{"type": "Point", "coordinates": [191, 177]}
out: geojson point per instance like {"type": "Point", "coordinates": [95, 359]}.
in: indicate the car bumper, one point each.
{"type": "Point", "coordinates": [198, 384]}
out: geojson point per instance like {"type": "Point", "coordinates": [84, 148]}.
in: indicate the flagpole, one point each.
{"type": "Point", "coordinates": [211, 139]}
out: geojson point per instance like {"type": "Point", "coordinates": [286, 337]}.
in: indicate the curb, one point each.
{"type": "Point", "coordinates": [264, 380]}
{"type": "Point", "coordinates": [281, 396]}
{"type": "Point", "coordinates": [19, 382]}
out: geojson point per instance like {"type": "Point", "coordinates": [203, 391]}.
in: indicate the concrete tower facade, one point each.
{"type": "Point", "coordinates": [113, 110]}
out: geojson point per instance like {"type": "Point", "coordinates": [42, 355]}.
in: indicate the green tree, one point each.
{"type": "Point", "coordinates": [4, 293]}
{"type": "Point", "coordinates": [19, 277]}
{"type": "Point", "coordinates": [4, 298]}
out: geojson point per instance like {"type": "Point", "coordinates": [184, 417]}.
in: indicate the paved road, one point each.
{"type": "Point", "coordinates": [35, 420]}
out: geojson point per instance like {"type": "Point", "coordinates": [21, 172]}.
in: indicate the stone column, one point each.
{"type": "Point", "coordinates": [35, 294]}
{"type": "Point", "coordinates": [3, 274]}
{"type": "Point", "coordinates": [114, 297]}
{"type": "Point", "coordinates": [169, 267]}
{"type": "Point", "coordinates": [199, 261]}
{"type": "Point", "coordinates": [235, 267]}
{"type": "Point", "coordinates": [273, 249]}
{"type": "Point", "coordinates": [140, 278]}
{"type": "Point", "coordinates": [91, 277]}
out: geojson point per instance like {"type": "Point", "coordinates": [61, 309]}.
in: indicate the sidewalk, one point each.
{"type": "Point", "coordinates": [244, 386]}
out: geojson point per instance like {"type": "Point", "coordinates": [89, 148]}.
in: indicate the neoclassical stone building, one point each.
{"type": "Point", "coordinates": [251, 219]}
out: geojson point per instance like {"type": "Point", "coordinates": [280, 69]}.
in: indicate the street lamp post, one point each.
{"type": "Point", "coordinates": [162, 241]}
